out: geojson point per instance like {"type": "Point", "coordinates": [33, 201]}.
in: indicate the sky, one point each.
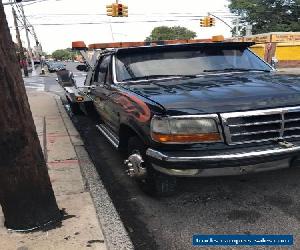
{"type": "Point", "coordinates": [133, 28]}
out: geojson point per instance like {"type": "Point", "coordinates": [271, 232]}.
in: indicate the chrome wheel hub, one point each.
{"type": "Point", "coordinates": [135, 166]}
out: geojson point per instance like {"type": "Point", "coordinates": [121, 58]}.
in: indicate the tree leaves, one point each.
{"type": "Point", "coordinates": [63, 54]}
{"type": "Point", "coordinates": [268, 15]}
{"type": "Point", "coordinates": [170, 33]}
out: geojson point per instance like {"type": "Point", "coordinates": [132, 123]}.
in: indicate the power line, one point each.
{"type": "Point", "coordinates": [28, 1]}
{"type": "Point", "coordinates": [20, 10]}
{"type": "Point", "coordinates": [138, 14]}
{"type": "Point", "coordinates": [12, 3]}
{"type": "Point", "coordinates": [115, 22]}
{"type": "Point", "coordinates": [36, 1]}
{"type": "Point", "coordinates": [26, 19]}
{"type": "Point", "coordinates": [34, 17]}
{"type": "Point", "coordinates": [131, 14]}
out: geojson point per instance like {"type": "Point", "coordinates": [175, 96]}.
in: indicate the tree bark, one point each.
{"type": "Point", "coordinates": [26, 194]}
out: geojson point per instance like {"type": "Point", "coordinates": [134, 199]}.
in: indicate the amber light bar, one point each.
{"type": "Point", "coordinates": [211, 137]}
{"type": "Point", "coordinates": [139, 44]}
{"type": "Point", "coordinates": [81, 45]}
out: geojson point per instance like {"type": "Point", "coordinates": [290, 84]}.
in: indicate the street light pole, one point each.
{"type": "Point", "coordinates": [236, 27]}
{"type": "Point", "coordinates": [111, 30]}
{"type": "Point", "coordinates": [28, 41]}
{"type": "Point", "coordinates": [219, 18]}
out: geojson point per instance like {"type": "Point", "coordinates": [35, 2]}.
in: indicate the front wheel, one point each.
{"type": "Point", "coordinates": [159, 184]}
{"type": "Point", "coordinates": [151, 182]}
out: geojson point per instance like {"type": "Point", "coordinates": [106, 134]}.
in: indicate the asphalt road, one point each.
{"type": "Point", "coordinates": [48, 83]}
{"type": "Point", "coordinates": [265, 203]}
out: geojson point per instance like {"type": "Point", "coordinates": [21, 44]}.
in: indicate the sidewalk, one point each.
{"type": "Point", "coordinates": [58, 138]}
{"type": "Point", "coordinates": [290, 70]}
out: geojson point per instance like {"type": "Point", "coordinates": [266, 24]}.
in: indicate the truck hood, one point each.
{"type": "Point", "coordinates": [221, 92]}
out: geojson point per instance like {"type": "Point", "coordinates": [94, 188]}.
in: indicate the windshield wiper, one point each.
{"type": "Point", "coordinates": [235, 69]}
{"type": "Point", "coordinates": [158, 76]}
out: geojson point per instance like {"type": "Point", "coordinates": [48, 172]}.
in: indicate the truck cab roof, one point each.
{"type": "Point", "coordinates": [186, 46]}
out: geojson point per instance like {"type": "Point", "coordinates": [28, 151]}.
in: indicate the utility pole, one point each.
{"type": "Point", "coordinates": [28, 41]}
{"type": "Point", "coordinates": [248, 30]}
{"type": "Point", "coordinates": [39, 50]}
{"type": "Point", "coordinates": [237, 26]}
{"type": "Point", "coordinates": [37, 43]}
{"type": "Point", "coordinates": [22, 55]}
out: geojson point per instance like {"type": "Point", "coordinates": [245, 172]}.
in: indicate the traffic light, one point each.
{"type": "Point", "coordinates": [204, 22]}
{"type": "Point", "coordinates": [211, 21]}
{"type": "Point", "coordinates": [120, 9]}
{"type": "Point", "coordinates": [207, 21]}
{"type": "Point", "coordinates": [111, 10]}
{"type": "Point", "coordinates": [117, 10]}
{"type": "Point", "coordinates": [125, 10]}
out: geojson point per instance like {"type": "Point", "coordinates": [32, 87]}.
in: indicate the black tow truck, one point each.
{"type": "Point", "coordinates": [192, 110]}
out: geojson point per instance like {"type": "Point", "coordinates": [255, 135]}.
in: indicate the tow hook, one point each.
{"type": "Point", "coordinates": [243, 170]}
{"type": "Point", "coordinates": [134, 166]}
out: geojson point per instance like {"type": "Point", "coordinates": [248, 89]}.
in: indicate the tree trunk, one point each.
{"type": "Point", "coordinates": [26, 194]}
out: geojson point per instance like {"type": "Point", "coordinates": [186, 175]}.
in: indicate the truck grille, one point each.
{"type": "Point", "coordinates": [261, 125]}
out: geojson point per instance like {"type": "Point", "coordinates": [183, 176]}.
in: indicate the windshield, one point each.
{"type": "Point", "coordinates": [185, 63]}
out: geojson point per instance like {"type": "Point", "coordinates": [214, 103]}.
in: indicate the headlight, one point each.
{"type": "Point", "coordinates": [185, 129]}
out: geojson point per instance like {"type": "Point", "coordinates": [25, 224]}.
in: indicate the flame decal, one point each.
{"type": "Point", "coordinates": [133, 106]}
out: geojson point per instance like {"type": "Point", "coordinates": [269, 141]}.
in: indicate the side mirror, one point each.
{"type": "Point", "coordinates": [82, 67]}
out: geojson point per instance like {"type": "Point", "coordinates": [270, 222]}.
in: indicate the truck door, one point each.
{"type": "Point", "coordinates": [101, 94]}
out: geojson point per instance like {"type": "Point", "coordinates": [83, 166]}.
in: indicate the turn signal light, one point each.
{"type": "Point", "coordinates": [212, 137]}
{"type": "Point", "coordinates": [79, 98]}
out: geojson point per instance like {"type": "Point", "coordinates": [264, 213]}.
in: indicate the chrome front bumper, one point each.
{"type": "Point", "coordinates": [237, 162]}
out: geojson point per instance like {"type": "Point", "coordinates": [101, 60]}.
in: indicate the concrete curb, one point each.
{"type": "Point", "coordinates": [114, 231]}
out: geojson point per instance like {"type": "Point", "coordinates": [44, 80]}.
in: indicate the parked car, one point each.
{"type": "Point", "coordinates": [48, 63]}
{"type": "Point", "coordinates": [56, 66]}
{"type": "Point", "coordinates": [195, 110]}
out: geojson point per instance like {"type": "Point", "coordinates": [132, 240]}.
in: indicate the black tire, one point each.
{"type": "Point", "coordinates": [74, 107]}
{"type": "Point", "coordinates": [155, 183]}
{"type": "Point", "coordinates": [160, 184]}
{"type": "Point", "coordinates": [90, 111]}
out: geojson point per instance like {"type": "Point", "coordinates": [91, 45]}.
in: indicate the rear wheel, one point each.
{"type": "Point", "coordinates": [74, 107]}
{"type": "Point", "coordinates": [90, 111]}
{"type": "Point", "coordinates": [151, 181]}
